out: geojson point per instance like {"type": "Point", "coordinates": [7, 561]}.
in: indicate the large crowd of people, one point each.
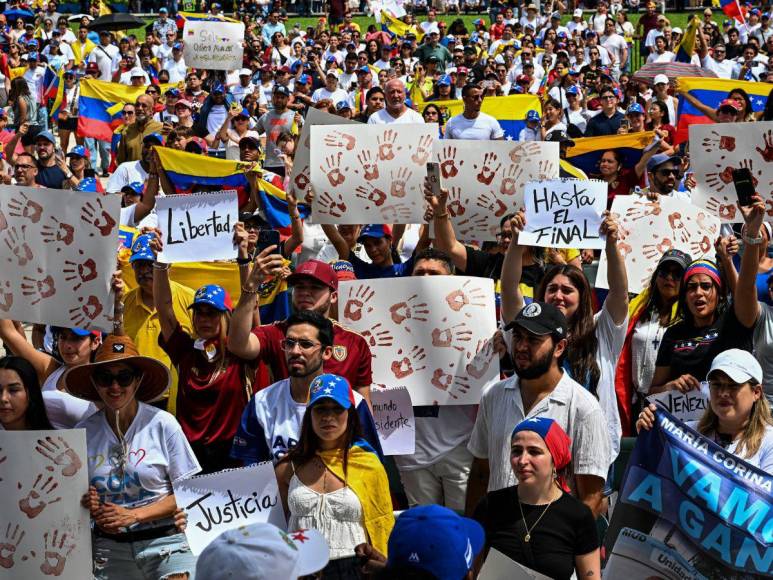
{"type": "Point", "coordinates": [204, 383]}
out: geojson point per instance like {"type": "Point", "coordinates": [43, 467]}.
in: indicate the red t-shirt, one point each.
{"type": "Point", "coordinates": [208, 412]}
{"type": "Point", "coordinates": [351, 354]}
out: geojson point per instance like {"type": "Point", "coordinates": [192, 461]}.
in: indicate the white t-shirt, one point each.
{"type": "Point", "coordinates": [482, 128]}
{"type": "Point", "coordinates": [610, 339]}
{"type": "Point", "coordinates": [158, 454]}
{"type": "Point", "coordinates": [666, 56]}
{"type": "Point", "coordinates": [616, 46]}
{"type": "Point", "coordinates": [437, 436]}
{"type": "Point", "coordinates": [382, 117]}
{"type": "Point", "coordinates": [104, 57]}
{"type": "Point", "coordinates": [763, 348]}
{"type": "Point", "coordinates": [126, 173]}
{"type": "Point", "coordinates": [149, 221]}
{"type": "Point", "coordinates": [764, 456]}
{"type": "Point", "coordinates": [64, 410]}
{"type": "Point", "coordinates": [216, 118]}
{"type": "Point", "coordinates": [336, 96]}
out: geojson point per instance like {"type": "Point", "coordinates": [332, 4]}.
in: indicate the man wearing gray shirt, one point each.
{"type": "Point", "coordinates": [274, 123]}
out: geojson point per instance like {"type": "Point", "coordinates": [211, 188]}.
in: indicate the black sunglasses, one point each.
{"type": "Point", "coordinates": [105, 379]}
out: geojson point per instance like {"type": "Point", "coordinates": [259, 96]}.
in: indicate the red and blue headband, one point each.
{"type": "Point", "coordinates": [703, 267]}
{"type": "Point", "coordinates": [556, 440]}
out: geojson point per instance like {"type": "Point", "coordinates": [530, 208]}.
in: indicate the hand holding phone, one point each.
{"type": "Point", "coordinates": [433, 174]}
{"type": "Point", "coordinates": [744, 186]}
{"type": "Point", "coordinates": [267, 238]}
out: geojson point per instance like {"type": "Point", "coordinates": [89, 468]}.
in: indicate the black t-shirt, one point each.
{"type": "Point", "coordinates": [487, 265]}
{"type": "Point", "coordinates": [52, 177]}
{"type": "Point", "coordinates": [689, 350]}
{"type": "Point", "coordinates": [567, 529]}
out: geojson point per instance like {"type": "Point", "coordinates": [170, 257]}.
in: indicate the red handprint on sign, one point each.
{"type": "Point", "coordinates": [399, 179]}
{"type": "Point", "coordinates": [678, 226]}
{"type": "Point", "coordinates": [640, 210]}
{"type": "Point", "coordinates": [624, 248]}
{"type": "Point", "coordinates": [6, 296]}
{"type": "Point", "coordinates": [338, 139]}
{"type": "Point", "coordinates": [455, 386]}
{"type": "Point", "coordinates": [409, 309]}
{"type": "Point", "coordinates": [386, 144]}
{"type": "Point", "coordinates": [480, 363]}
{"type": "Point", "coordinates": [3, 221]}
{"type": "Point", "coordinates": [423, 150]}
{"type": "Point", "coordinates": [487, 170]}
{"type": "Point", "coordinates": [17, 245]}
{"type": "Point", "coordinates": [523, 151]}
{"type": "Point", "coordinates": [652, 251]}
{"type": "Point", "coordinates": [81, 273]}
{"type": "Point", "coordinates": [475, 223]}
{"type": "Point", "coordinates": [372, 194]}
{"type": "Point", "coordinates": [358, 300]}
{"type": "Point", "coordinates": [57, 232]}
{"type": "Point", "coordinates": [767, 153]}
{"type": "Point", "coordinates": [13, 537]}
{"type": "Point", "coordinates": [81, 316]}
{"type": "Point", "coordinates": [465, 296]}
{"type": "Point", "coordinates": [701, 248]}
{"type": "Point", "coordinates": [452, 337]}
{"type": "Point", "coordinates": [454, 205]}
{"type": "Point", "coordinates": [38, 288]}
{"type": "Point", "coordinates": [719, 180]}
{"type": "Point", "coordinates": [25, 208]}
{"type": "Point", "coordinates": [60, 454]}
{"type": "Point", "coordinates": [545, 170]}
{"type": "Point", "coordinates": [332, 204]}
{"type": "Point", "coordinates": [301, 180]}
{"type": "Point", "coordinates": [490, 203]}
{"type": "Point", "coordinates": [405, 366]}
{"type": "Point", "coordinates": [726, 211]}
{"type": "Point", "coordinates": [512, 176]}
{"type": "Point", "coordinates": [332, 169]}
{"type": "Point", "coordinates": [368, 163]}
{"type": "Point", "coordinates": [40, 495]}
{"type": "Point", "coordinates": [94, 214]}
{"type": "Point", "coordinates": [711, 228]}
{"type": "Point", "coordinates": [397, 213]}
{"type": "Point", "coordinates": [717, 141]}
{"type": "Point", "coordinates": [447, 160]}
{"type": "Point", "coordinates": [377, 335]}
{"type": "Point", "coordinates": [55, 553]}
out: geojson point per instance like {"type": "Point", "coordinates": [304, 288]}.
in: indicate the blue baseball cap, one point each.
{"type": "Point", "coordinates": [134, 188]}
{"type": "Point", "coordinates": [445, 80]}
{"type": "Point", "coordinates": [141, 249]}
{"type": "Point", "coordinates": [218, 88]}
{"type": "Point", "coordinates": [32, 55]}
{"type": "Point", "coordinates": [333, 387]}
{"type": "Point", "coordinates": [343, 105]}
{"type": "Point", "coordinates": [435, 539]}
{"type": "Point", "coordinates": [331, 58]}
{"type": "Point", "coordinates": [572, 90]}
{"type": "Point", "coordinates": [83, 332]}
{"type": "Point", "coordinates": [78, 151]}
{"type": "Point", "coordinates": [215, 296]}
{"type": "Point", "coordinates": [244, 113]}
{"type": "Point", "coordinates": [303, 79]}
{"type": "Point", "coordinates": [295, 66]}
{"type": "Point", "coordinates": [375, 231]}
{"type": "Point", "coordinates": [47, 135]}
{"type": "Point", "coordinates": [363, 69]}
{"type": "Point", "coordinates": [87, 184]}
{"type": "Point", "coordinates": [661, 158]}
{"type": "Point", "coordinates": [174, 91]}
{"type": "Point", "coordinates": [533, 116]}
{"type": "Point", "coordinates": [153, 137]}
{"type": "Point", "coordinates": [177, 46]}
{"type": "Point", "coordinates": [635, 109]}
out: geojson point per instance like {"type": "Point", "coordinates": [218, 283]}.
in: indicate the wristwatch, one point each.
{"type": "Point", "coordinates": [753, 241]}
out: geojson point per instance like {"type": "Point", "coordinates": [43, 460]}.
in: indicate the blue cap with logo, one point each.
{"type": "Point", "coordinates": [78, 151]}
{"type": "Point", "coordinates": [635, 109]}
{"type": "Point", "coordinates": [133, 188]}
{"type": "Point", "coordinates": [303, 79]}
{"type": "Point", "coordinates": [572, 90]}
{"type": "Point", "coordinates": [445, 80]}
{"type": "Point", "coordinates": [157, 137]}
{"type": "Point", "coordinates": [342, 106]}
{"type": "Point", "coordinates": [141, 249]}
{"type": "Point", "coordinates": [173, 92]}
{"type": "Point", "coordinates": [375, 231]}
{"type": "Point", "coordinates": [533, 115]}
{"type": "Point", "coordinates": [365, 69]}
{"type": "Point", "coordinates": [333, 387]}
{"type": "Point", "coordinates": [213, 295]}
{"type": "Point", "coordinates": [218, 88]}
{"type": "Point", "coordinates": [435, 539]}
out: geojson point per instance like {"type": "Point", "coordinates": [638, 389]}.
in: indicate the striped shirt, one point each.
{"type": "Point", "coordinates": [569, 404]}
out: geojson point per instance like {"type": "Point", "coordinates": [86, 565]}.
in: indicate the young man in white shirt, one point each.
{"type": "Point", "coordinates": [472, 123]}
{"type": "Point", "coordinates": [331, 90]}
{"type": "Point", "coordinates": [396, 111]}
{"type": "Point", "coordinates": [104, 55]}
{"type": "Point", "coordinates": [540, 388]}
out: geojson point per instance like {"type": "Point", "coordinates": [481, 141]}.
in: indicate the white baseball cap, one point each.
{"type": "Point", "coordinates": [137, 72]}
{"type": "Point", "coordinates": [660, 79]}
{"type": "Point", "coordinates": [577, 13]}
{"type": "Point", "coordinates": [739, 365]}
{"type": "Point", "coordinates": [263, 552]}
{"type": "Point", "coordinates": [245, 72]}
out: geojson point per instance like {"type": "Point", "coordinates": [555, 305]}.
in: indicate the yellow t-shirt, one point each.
{"type": "Point", "coordinates": [141, 324]}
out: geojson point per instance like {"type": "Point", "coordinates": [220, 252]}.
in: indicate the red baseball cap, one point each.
{"type": "Point", "coordinates": [316, 269]}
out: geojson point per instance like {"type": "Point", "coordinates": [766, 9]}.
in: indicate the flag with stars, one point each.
{"type": "Point", "coordinates": [711, 92]}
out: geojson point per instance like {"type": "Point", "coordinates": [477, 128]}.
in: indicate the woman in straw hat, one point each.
{"type": "Point", "coordinates": [135, 453]}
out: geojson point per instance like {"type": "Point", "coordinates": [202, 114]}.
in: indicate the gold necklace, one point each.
{"type": "Point", "coordinates": [527, 537]}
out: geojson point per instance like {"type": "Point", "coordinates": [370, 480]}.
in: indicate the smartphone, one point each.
{"type": "Point", "coordinates": [744, 186]}
{"type": "Point", "coordinates": [433, 173]}
{"type": "Point", "coordinates": [267, 238]}
{"type": "Point", "coordinates": [625, 124]}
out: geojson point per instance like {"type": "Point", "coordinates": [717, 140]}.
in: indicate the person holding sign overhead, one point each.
{"type": "Point", "coordinates": [142, 450]}
{"type": "Point", "coordinates": [333, 481]}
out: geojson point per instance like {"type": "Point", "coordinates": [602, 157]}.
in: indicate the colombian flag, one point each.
{"type": "Point", "coordinates": [587, 151]}
{"type": "Point", "coordinates": [397, 27]}
{"type": "Point", "coordinates": [54, 89]}
{"type": "Point", "coordinates": [686, 47]}
{"type": "Point", "coordinates": [711, 92]}
{"type": "Point", "coordinates": [189, 171]}
{"type": "Point", "coordinates": [182, 17]}
{"type": "Point", "coordinates": [510, 111]}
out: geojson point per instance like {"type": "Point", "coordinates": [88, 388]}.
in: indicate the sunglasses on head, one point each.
{"type": "Point", "coordinates": [105, 379]}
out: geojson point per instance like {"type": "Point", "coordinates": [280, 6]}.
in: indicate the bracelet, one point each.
{"type": "Point", "coordinates": [247, 292]}
{"type": "Point", "coordinates": [296, 216]}
{"type": "Point", "coordinates": [441, 215]}
{"type": "Point", "coordinates": [243, 261]}
{"type": "Point", "coordinates": [753, 241]}
{"type": "Point", "coordinates": [160, 266]}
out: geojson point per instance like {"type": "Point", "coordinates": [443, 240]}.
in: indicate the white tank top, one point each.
{"type": "Point", "coordinates": [337, 515]}
{"type": "Point", "coordinates": [64, 410]}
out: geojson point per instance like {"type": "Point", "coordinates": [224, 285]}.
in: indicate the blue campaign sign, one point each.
{"type": "Point", "coordinates": [718, 501]}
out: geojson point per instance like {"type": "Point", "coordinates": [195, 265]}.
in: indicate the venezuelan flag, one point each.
{"type": "Point", "coordinates": [686, 47]}
{"type": "Point", "coordinates": [181, 18]}
{"type": "Point", "coordinates": [587, 151]}
{"type": "Point", "coordinates": [397, 27]}
{"type": "Point", "coordinates": [189, 171]}
{"type": "Point", "coordinates": [510, 111]}
{"type": "Point", "coordinates": [711, 92]}
{"type": "Point", "coordinates": [100, 106]}
{"type": "Point", "coordinates": [732, 9]}
{"type": "Point", "coordinates": [54, 90]}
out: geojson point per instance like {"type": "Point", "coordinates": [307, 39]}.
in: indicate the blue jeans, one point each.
{"type": "Point", "coordinates": [104, 154]}
{"type": "Point", "coordinates": [146, 560]}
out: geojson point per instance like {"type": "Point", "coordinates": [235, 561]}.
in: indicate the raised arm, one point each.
{"type": "Point", "coordinates": [162, 291]}
{"type": "Point", "coordinates": [43, 363]}
{"type": "Point", "coordinates": [147, 202]}
{"type": "Point", "coordinates": [705, 109]}
{"type": "Point", "coordinates": [617, 278]}
{"type": "Point", "coordinates": [512, 268]}
{"type": "Point", "coordinates": [445, 238]}
{"type": "Point", "coordinates": [339, 243]}
{"type": "Point", "coordinates": [296, 237]}
{"type": "Point", "coordinates": [745, 303]}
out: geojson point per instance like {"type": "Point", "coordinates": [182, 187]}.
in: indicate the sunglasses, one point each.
{"type": "Point", "coordinates": [667, 172]}
{"type": "Point", "coordinates": [291, 343]}
{"type": "Point", "coordinates": [673, 273]}
{"type": "Point", "coordinates": [104, 379]}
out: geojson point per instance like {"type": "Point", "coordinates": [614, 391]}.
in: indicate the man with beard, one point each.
{"type": "Point", "coordinates": [136, 171]}
{"type": "Point", "coordinates": [130, 147]}
{"type": "Point", "coordinates": [314, 287]}
{"type": "Point", "coordinates": [539, 388]}
{"type": "Point", "coordinates": [664, 172]}
{"type": "Point", "coordinates": [271, 422]}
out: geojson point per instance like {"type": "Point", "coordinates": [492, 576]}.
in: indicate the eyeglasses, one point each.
{"type": "Point", "coordinates": [304, 344]}
{"type": "Point", "coordinates": [128, 112]}
{"type": "Point", "coordinates": [152, 92]}
{"type": "Point", "coordinates": [667, 172]}
{"type": "Point", "coordinates": [23, 166]}
{"type": "Point", "coordinates": [105, 379]}
{"type": "Point", "coordinates": [705, 286]}
{"type": "Point", "coordinates": [608, 97]}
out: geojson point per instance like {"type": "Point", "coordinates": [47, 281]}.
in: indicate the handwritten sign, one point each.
{"type": "Point", "coordinates": [197, 227]}
{"type": "Point", "coordinates": [688, 406]}
{"type": "Point", "coordinates": [564, 213]}
{"type": "Point", "coordinates": [300, 176]}
{"type": "Point", "coordinates": [370, 173]}
{"type": "Point", "coordinates": [44, 530]}
{"type": "Point", "coordinates": [486, 179]}
{"type": "Point", "coordinates": [431, 334]}
{"type": "Point", "coordinates": [57, 252]}
{"type": "Point", "coordinates": [647, 229]}
{"type": "Point", "coordinates": [499, 567]}
{"type": "Point", "coordinates": [213, 45]}
{"type": "Point", "coordinates": [228, 499]}
{"type": "Point", "coordinates": [393, 415]}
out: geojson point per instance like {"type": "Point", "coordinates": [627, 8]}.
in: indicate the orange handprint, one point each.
{"type": "Point", "coordinates": [455, 386]}
{"type": "Point", "coordinates": [678, 226]}
{"type": "Point", "coordinates": [479, 365]}
{"type": "Point", "coordinates": [55, 553]}
{"type": "Point", "coordinates": [25, 208]}
{"type": "Point", "coordinates": [452, 336]}
{"type": "Point", "coordinates": [405, 366]}
{"type": "Point", "coordinates": [399, 179]}
{"type": "Point", "coordinates": [725, 211]}
{"type": "Point", "coordinates": [368, 164]}
{"type": "Point", "coordinates": [17, 244]}
{"type": "Point", "coordinates": [39, 496]}
{"type": "Point", "coordinates": [372, 194]}
{"type": "Point", "coordinates": [454, 205]}
{"type": "Point", "coordinates": [81, 316]}
{"type": "Point", "coordinates": [332, 169]}
{"type": "Point", "coordinates": [386, 143]}
{"type": "Point", "coordinates": [490, 203]}
{"type": "Point", "coordinates": [339, 139]}
{"type": "Point", "coordinates": [510, 181]}
{"type": "Point", "coordinates": [13, 537]}
{"type": "Point", "coordinates": [377, 335]}
{"type": "Point", "coordinates": [701, 248]}
{"type": "Point", "coordinates": [423, 150]}
{"type": "Point", "coordinates": [357, 300]}
{"type": "Point", "coordinates": [465, 296]}
{"type": "Point", "coordinates": [409, 309]}
{"type": "Point", "coordinates": [94, 214]}
{"type": "Point", "coordinates": [39, 288]}
{"type": "Point", "coordinates": [487, 171]}
{"type": "Point", "coordinates": [332, 204]}
{"type": "Point", "coordinates": [447, 160]}
{"type": "Point", "coordinates": [56, 231]}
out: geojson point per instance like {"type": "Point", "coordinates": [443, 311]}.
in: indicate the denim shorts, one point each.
{"type": "Point", "coordinates": [144, 560]}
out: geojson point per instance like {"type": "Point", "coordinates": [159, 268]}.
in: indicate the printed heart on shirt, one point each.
{"type": "Point", "coordinates": [136, 457]}
{"type": "Point", "coordinates": [96, 461]}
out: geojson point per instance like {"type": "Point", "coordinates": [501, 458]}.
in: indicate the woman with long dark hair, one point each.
{"type": "Point", "coordinates": [21, 400]}
{"type": "Point", "coordinates": [25, 110]}
{"type": "Point", "coordinates": [660, 121]}
{"type": "Point", "coordinates": [333, 481]}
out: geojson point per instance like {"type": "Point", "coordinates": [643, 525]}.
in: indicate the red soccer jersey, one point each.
{"type": "Point", "coordinates": [351, 354]}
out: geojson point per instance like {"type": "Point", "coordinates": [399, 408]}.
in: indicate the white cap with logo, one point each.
{"type": "Point", "coordinates": [739, 365]}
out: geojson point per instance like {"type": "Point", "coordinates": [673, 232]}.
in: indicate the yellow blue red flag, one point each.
{"type": "Point", "coordinates": [686, 47]}
{"type": "Point", "coordinates": [587, 151]}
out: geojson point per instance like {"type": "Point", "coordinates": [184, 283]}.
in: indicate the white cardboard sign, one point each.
{"type": "Point", "coordinates": [564, 213]}
{"type": "Point", "coordinates": [486, 179]}
{"type": "Point", "coordinates": [499, 567]}
{"type": "Point", "coordinates": [227, 500]}
{"type": "Point", "coordinates": [393, 416]}
{"type": "Point", "coordinates": [431, 334]}
{"type": "Point", "coordinates": [44, 530]}
{"type": "Point", "coordinates": [197, 227]}
{"type": "Point", "coordinates": [213, 45]}
{"type": "Point", "coordinates": [648, 229]}
{"type": "Point", "coordinates": [300, 176]}
{"type": "Point", "coordinates": [370, 173]}
{"type": "Point", "coordinates": [688, 406]}
{"type": "Point", "coordinates": [57, 253]}
{"type": "Point", "coordinates": [717, 149]}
